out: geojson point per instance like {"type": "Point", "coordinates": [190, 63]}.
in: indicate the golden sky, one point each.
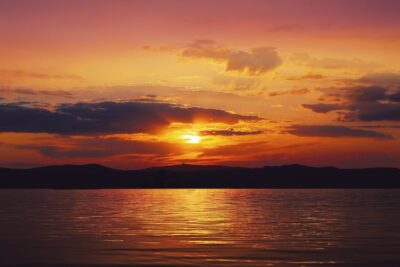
{"type": "Point", "coordinates": [132, 84]}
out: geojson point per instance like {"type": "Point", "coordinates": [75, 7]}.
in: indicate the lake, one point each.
{"type": "Point", "coordinates": [201, 227]}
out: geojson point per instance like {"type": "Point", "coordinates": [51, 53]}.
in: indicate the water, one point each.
{"type": "Point", "coordinates": [201, 227]}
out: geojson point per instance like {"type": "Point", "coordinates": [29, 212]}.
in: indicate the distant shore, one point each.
{"type": "Point", "coordinates": [197, 176]}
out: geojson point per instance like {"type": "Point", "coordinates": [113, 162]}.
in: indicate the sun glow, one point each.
{"type": "Point", "coordinates": [191, 138]}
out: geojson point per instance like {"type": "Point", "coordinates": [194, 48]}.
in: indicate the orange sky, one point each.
{"type": "Point", "coordinates": [132, 84]}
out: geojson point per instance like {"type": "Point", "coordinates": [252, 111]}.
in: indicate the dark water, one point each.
{"type": "Point", "coordinates": [201, 227]}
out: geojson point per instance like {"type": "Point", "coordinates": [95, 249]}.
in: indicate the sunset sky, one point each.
{"type": "Point", "coordinates": [133, 84]}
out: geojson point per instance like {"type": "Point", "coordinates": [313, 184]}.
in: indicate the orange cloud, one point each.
{"type": "Point", "coordinates": [291, 92]}
{"type": "Point", "coordinates": [36, 75]}
{"type": "Point", "coordinates": [333, 63]}
{"type": "Point", "coordinates": [256, 61]}
{"type": "Point", "coordinates": [32, 92]}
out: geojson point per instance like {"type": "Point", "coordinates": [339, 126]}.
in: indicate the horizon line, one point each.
{"type": "Point", "coordinates": [199, 165]}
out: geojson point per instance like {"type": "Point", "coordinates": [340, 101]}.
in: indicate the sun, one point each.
{"type": "Point", "coordinates": [191, 138]}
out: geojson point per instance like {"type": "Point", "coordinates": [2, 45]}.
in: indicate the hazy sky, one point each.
{"type": "Point", "coordinates": [138, 83]}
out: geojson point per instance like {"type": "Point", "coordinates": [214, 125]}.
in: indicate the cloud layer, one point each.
{"type": "Point", "coordinates": [363, 103]}
{"type": "Point", "coordinates": [333, 63]}
{"type": "Point", "coordinates": [101, 147]}
{"type": "Point", "coordinates": [334, 131]}
{"type": "Point", "coordinates": [32, 92]}
{"type": "Point", "coordinates": [291, 92]}
{"type": "Point", "coordinates": [229, 132]}
{"type": "Point", "coordinates": [37, 75]}
{"type": "Point", "coordinates": [107, 117]}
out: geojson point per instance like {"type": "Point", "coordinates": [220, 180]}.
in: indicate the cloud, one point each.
{"type": "Point", "coordinates": [394, 97]}
{"type": "Point", "coordinates": [32, 92]}
{"type": "Point", "coordinates": [207, 49]}
{"type": "Point", "coordinates": [229, 132]}
{"type": "Point", "coordinates": [333, 63]}
{"type": "Point", "coordinates": [102, 147]}
{"type": "Point", "coordinates": [364, 103]}
{"type": "Point", "coordinates": [334, 131]}
{"type": "Point", "coordinates": [37, 75]}
{"type": "Point", "coordinates": [389, 80]}
{"type": "Point", "coordinates": [256, 61]}
{"type": "Point", "coordinates": [291, 92]}
{"type": "Point", "coordinates": [381, 78]}
{"type": "Point", "coordinates": [380, 126]}
{"type": "Point", "coordinates": [310, 76]}
{"type": "Point", "coordinates": [325, 108]}
{"type": "Point", "coordinates": [365, 94]}
{"type": "Point", "coordinates": [379, 112]}
{"type": "Point", "coordinates": [107, 117]}
{"type": "Point", "coordinates": [199, 97]}
{"type": "Point", "coordinates": [356, 94]}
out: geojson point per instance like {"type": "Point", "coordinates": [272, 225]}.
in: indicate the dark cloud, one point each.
{"type": "Point", "coordinates": [364, 103]}
{"type": "Point", "coordinates": [366, 94]}
{"type": "Point", "coordinates": [380, 126]}
{"type": "Point", "coordinates": [334, 131]}
{"type": "Point", "coordinates": [229, 132]}
{"type": "Point", "coordinates": [379, 112]}
{"type": "Point", "coordinates": [256, 61]}
{"type": "Point", "coordinates": [107, 117]}
{"type": "Point", "coordinates": [355, 94]}
{"type": "Point", "coordinates": [101, 147]}
{"type": "Point", "coordinates": [291, 92]}
{"type": "Point", "coordinates": [389, 80]}
{"type": "Point", "coordinates": [381, 78]}
{"type": "Point", "coordinates": [394, 97]}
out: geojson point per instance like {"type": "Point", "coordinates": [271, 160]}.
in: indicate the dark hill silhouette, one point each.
{"type": "Point", "coordinates": [195, 176]}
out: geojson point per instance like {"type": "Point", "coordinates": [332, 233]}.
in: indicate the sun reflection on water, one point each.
{"type": "Point", "coordinates": [195, 227]}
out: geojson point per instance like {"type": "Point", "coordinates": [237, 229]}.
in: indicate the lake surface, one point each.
{"type": "Point", "coordinates": [201, 227]}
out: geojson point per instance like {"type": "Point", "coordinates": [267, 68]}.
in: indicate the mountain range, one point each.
{"type": "Point", "coordinates": [93, 176]}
